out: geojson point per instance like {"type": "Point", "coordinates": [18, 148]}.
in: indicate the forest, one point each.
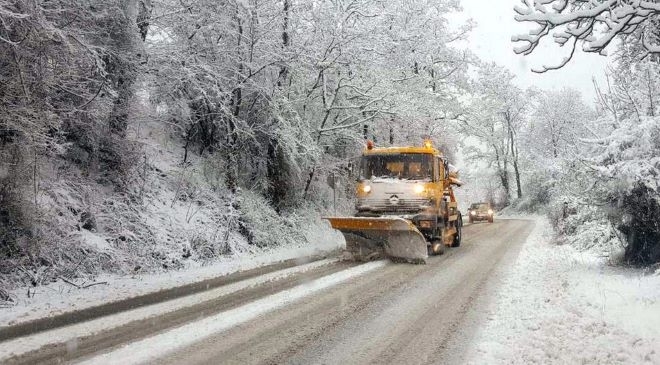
{"type": "Point", "coordinates": [147, 135]}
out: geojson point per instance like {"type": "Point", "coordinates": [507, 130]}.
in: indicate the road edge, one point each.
{"type": "Point", "coordinates": [79, 315]}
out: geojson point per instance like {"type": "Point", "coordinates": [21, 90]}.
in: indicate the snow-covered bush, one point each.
{"type": "Point", "coordinates": [47, 241]}
{"type": "Point", "coordinates": [629, 167]}
{"type": "Point", "coordinates": [263, 226]}
{"type": "Point", "coordinates": [584, 226]}
{"type": "Point", "coordinates": [610, 198]}
{"type": "Point", "coordinates": [538, 193]}
{"type": "Point", "coordinates": [639, 221]}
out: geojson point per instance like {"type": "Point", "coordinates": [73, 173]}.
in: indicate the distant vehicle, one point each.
{"type": "Point", "coordinates": [480, 212]}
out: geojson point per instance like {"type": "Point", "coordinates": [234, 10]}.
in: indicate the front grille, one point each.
{"type": "Point", "coordinates": [384, 205]}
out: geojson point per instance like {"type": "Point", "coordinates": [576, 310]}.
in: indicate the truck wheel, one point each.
{"type": "Point", "coordinates": [459, 232]}
{"type": "Point", "coordinates": [437, 247]}
{"type": "Point", "coordinates": [490, 219]}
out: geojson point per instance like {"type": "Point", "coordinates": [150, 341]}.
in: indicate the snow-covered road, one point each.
{"type": "Point", "coordinates": [325, 312]}
{"type": "Point", "coordinates": [505, 296]}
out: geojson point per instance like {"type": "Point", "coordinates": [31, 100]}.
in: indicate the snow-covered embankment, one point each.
{"type": "Point", "coordinates": [557, 305]}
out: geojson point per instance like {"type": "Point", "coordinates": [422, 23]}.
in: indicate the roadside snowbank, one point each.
{"type": "Point", "coordinates": [59, 297]}
{"type": "Point", "coordinates": [558, 305]}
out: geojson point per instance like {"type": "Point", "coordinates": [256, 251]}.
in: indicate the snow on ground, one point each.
{"type": "Point", "coordinates": [60, 297]}
{"type": "Point", "coordinates": [557, 305]}
{"type": "Point", "coordinates": [142, 351]}
{"type": "Point", "coordinates": [170, 227]}
{"type": "Point", "coordinates": [71, 334]}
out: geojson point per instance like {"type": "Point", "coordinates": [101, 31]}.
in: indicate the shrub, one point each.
{"type": "Point", "coordinates": [639, 221]}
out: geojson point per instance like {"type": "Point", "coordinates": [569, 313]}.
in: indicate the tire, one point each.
{"type": "Point", "coordinates": [440, 248]}
{"type": "Point", "coordinates": [459, 232]}
{"type": "Point", "coordinates": [490, 219]}
{"type": "Point", "coordinates": [470, 220]}
{"type": "Point", "coordinates": [436, 237]}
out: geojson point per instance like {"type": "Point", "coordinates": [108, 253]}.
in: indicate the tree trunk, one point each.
{"type": "Point", "coordinates": [144, 17]}
{"type": "Point", "coordinates": [517, 173]}
{"type": "Point", "coordinates": [504, 178]}
{"type": "Point", "coordinates": [651, 111]}
{"type": "Point", "coordinates": [502, 171]}
{"type": "Point", "coordinates": [328, 111]}
{"type": "Point", "coordinates": [122, 70]}
{"type": "Point", "coordinates": [275, 162]}
{"type": "Point", "coordinates": [277, 176]}
{"type": "Point", "coordinates": [237, 100]}
{"type": "Point", "coordinates": [514, 153]}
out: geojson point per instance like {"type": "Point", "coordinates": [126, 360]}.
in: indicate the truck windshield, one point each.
{"type": "Point", "coordinates": [479, 206]}
{"type": "Point", "coordinates": [410, 166]}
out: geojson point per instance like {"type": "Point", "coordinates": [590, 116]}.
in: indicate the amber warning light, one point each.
{"type": "Point", "coordinates": [370, 145]}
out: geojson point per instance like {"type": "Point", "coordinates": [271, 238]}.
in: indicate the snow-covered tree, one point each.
{"type": "Point", "coordinates": [592, 24]}
{"type": "Point", "coordinates": [558, 121]}
{"type": "Point", "coordinates": [68, 71]}
{"type": "Point", "coordinates": [297, 82]}
{"type": "Point", "coordinates": [496, 116]}
{"type": "Point", "coordinates": [607, 161]}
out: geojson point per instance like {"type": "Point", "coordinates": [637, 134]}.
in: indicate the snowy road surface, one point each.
{"type": "Point", "coordinates": [330, 313]}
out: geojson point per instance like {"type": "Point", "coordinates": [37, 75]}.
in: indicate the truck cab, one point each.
{"type": "Point", "coordinates": [414, 183]}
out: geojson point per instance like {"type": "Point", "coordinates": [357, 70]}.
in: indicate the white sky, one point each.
{"type": "Point", "coordinates": [491, 41]}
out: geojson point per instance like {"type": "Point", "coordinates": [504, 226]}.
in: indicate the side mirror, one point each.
{"type": "Point", "coordinates": [455, 181]}
{"type": "Point", "coordinates": [445, 164]}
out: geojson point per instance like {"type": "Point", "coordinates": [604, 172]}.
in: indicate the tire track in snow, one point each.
{"type": "Point", "coordinates": [147, 349]}
{"type": "Point", "coordinates": [55, 343]}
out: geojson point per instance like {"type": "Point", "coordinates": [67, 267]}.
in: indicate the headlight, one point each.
{"type": "Point", "coordinates": [472, 212]}
{"type": "Point", "coordinates": [366, 188]}
{"type": "Point", "coordinates": [419, 189]}
{"type": "Point", "coordinates": [490, 211]}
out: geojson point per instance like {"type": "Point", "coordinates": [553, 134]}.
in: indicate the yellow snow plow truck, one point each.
{"type": "Point", "coordinates": [406, 209]}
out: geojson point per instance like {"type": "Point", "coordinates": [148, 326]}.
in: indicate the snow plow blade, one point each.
{"type": "Point", "coordinates": [370, 238]}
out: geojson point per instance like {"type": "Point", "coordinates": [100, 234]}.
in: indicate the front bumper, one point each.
{"type": "Point", "coordinates": [481, 217]}
{"type": "Point", "coordinates": [424, 220]}
{"type": "Point", "coordinates": [404, 205]}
